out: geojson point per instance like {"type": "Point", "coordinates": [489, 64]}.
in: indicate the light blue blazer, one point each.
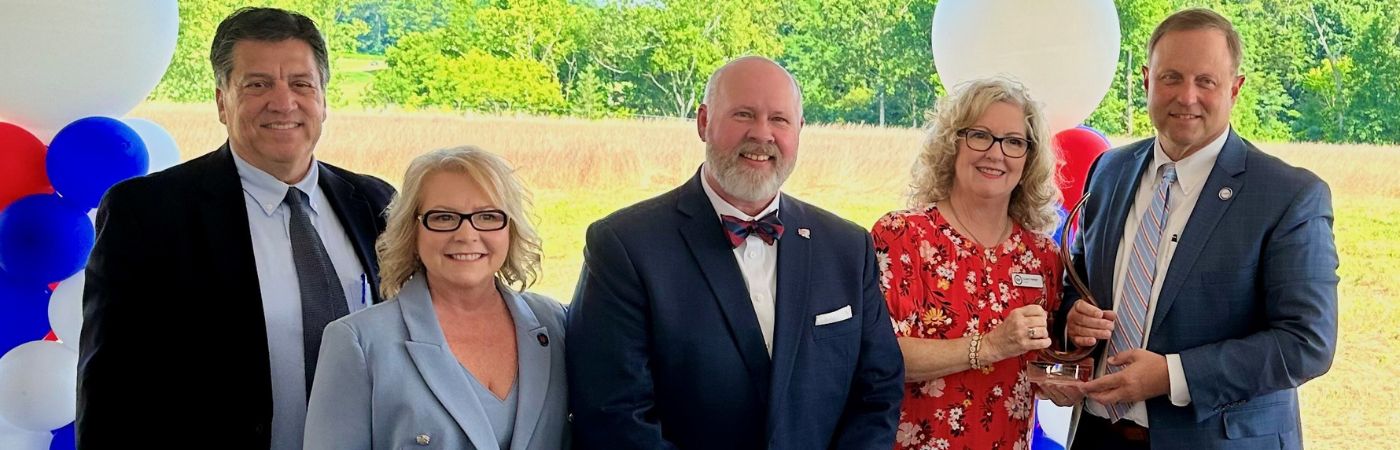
{"type": "Point", "coordinates": [386, 379]}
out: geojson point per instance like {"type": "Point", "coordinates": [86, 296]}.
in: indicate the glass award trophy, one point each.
{"type": "Point", "coordinates": [1063, 362]}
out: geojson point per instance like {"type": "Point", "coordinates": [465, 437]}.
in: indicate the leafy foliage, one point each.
{"type": "Point", "coordinates": [1316, 70]}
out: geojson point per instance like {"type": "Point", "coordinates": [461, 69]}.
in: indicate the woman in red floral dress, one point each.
{"type": "Point", "coordinates": [970, 272]}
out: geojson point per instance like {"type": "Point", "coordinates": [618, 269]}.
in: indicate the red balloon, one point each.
{"type": "Point", "coordinates": [51, 336]}
{"type": "Point", "coordinates": [22, 170]}
{"type": "Point", "coordinates": [1077, 147]}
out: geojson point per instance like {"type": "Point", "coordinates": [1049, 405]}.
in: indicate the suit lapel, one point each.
{"type": "Point", "coordinates": [444, 376]}
{"type": "Point", "coordinates": [222, 222]}
{"type": "Point", "coordinates": [534, 367]}
{"type": "Point", "coordinates": [705, 238]}
{"type": "Point", "coordinates": [792, 320]}
{"type": "Point", "coordinates": [1120, 205]}
{"type": "Point", "coordinates": [357, 216]}
{"type": "Point", "coordinates": [1203, 221]}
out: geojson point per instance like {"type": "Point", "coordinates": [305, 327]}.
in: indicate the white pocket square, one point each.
{"type": "Point", "coordinates": [834, 316]}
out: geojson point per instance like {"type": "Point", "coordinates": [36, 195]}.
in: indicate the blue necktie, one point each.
{"type": "Point", "coordinates": [1130, 329]}
{"type": "Point", "coordinates": [322, 297]}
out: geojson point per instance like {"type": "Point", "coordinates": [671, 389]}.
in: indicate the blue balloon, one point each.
{"type": "Point", "coordinates": [24, 312]}
{"type": "Point", "coordinates": [91, 155]}
{"type": "Point", "coordinates": [1059, 226]}
{"type": "Point", "coordinates": [44, 239]}
{"type": "Point", "coordinates": [1039, 441]}
{"type": "Point", "coordinates": [64, 438]}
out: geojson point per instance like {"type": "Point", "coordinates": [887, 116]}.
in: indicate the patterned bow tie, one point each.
{"type": "Point", "coordinates": [768, 228]}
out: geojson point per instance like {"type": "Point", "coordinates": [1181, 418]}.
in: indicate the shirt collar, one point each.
{"type": "Point", "coordinates": [723, 208]}
{"type": "Point", "coordinates": [268, 191]}
{"type": "Point", "coordinates": [1191, 171]}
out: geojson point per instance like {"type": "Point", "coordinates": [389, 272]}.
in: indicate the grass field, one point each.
{"type": "Point", "coordinates": [582, 170]}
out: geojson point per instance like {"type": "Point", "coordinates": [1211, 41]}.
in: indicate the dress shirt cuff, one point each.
{"type": "Point", "coordinates": [1180, 393]}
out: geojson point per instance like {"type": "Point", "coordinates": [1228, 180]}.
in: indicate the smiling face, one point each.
{"type": "Point", "coordinates": [273, 106]}
{"type": "Point", "coordinates": [1191, 88]}
{"type": "Point", "coordinates": [990, 175]}
{"type": "Point", "coordinates": [750, 127]}
{"type": "Point", "coordinates": [466, 259]}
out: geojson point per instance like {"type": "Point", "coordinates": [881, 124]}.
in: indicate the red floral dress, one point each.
{"type": "Point", "coordinates": [941, 285]}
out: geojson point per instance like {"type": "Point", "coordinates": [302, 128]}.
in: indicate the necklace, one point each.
{"type": "Point", "coordinates": [970, 234]}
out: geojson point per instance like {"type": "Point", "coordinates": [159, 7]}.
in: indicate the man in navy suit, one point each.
{"type": "Point", "coordinates": [1217, 261]}
{"type": "Point", "coordinates": [212, 281]}
{"type": "Point", "coordinates": [725, 314]}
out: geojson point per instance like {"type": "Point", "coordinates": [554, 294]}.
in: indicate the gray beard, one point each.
{"type": "Point", "coordinates": [744, 183]}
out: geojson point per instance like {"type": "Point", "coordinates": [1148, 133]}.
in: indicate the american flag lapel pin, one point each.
{"type": "Point", "coordinates": [805, 233]}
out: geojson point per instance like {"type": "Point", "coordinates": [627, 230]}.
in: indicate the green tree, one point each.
{"type": "Point", "coordinates": [880, 71]}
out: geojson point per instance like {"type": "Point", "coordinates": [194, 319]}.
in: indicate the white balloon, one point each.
{"type": "Point", "coordinates": [39, 386]}
{"type": "Point", "coordinates": [66, 309]}
{"type": "Point", "coordinates": [161, 147]}
{"type": "Point", "coordinates": [65, 60]}
{"type": "Point", "coordinates": [1064, 51]}
{"type": "Point", "coordinates": [16, 438]}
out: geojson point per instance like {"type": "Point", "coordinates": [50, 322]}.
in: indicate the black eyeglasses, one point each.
{"type": "Point", "coordinates": [982, 140]}
{"type": "Point", "coordinates": [445, 221]}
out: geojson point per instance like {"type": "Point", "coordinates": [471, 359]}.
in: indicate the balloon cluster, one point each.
{"type": "Point", "coordinates": [65, 90]}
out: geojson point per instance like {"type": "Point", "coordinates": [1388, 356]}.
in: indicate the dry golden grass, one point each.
{"type": "Point", "coordinates": [581, 170]}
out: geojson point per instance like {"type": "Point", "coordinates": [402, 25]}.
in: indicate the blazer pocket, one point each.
{"type": "Point", "coordinates": [843, 313]}
{"type": "Point", "coordinates": [1251, 420]}
{"type": "Point", "coordinates": [836, 323]}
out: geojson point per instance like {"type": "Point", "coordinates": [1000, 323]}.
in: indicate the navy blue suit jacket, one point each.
{"type": "Point", "coordinates": [665, 349]}
{"type": "Point", "coordinates": [173, 331]}
{"type": "Point", "coordinates": [1249, 300]}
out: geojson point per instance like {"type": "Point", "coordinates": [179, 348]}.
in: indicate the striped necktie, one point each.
{"type": "Point", "coordinates": [1129, 331]}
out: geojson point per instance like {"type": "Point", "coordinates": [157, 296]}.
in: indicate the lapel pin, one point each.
{"type": "Point", "coordinates": [423, 439]}
{"type": "Point", "coordinates": [544, 340]}
{"type": "Point", "coordinates": [1226, 193]}
{"type": "Point", "coordinates": [805, 233]}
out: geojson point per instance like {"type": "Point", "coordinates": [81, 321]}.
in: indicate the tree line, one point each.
{"type": "Point", "coordinates": [1325, 70]}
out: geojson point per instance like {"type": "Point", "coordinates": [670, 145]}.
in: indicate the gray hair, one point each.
{"type": "Point", "coordinates": [267, 25]}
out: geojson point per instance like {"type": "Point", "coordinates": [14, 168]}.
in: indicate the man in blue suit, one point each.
{"type": "Point", "coordinates": [1217, 260]}
{"type": "Point", "coordinates": [724, 314]}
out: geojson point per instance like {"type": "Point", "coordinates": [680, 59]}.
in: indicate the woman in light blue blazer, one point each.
{"type": "Point", "coordinates": [457, 360]}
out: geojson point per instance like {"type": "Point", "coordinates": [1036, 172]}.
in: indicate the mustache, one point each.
{"type": "Point", "coordinates": [757, 148]}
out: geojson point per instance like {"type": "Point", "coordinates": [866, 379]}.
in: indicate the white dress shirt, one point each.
{"type": "Point", "coordinates": [1191, 174]}
{"type": "Point", "coordinates": [757, 261]}
{"type": "Point", "coordinates": [268, 225]}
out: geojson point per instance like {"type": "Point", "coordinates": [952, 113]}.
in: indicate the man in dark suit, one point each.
{"type": "Point", "coordinates": [211, 281]}
{"type": "Point", "coordinates": [1217, 261]}
{"type": "Point", "coordinates": [703, 321]}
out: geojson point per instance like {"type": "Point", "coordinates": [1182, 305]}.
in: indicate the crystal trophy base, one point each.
{"type": "Point", "coordinates": [1055, 373]}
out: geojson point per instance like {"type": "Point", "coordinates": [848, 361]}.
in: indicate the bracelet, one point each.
{"type": "Point", "coordinates": [973, 350]}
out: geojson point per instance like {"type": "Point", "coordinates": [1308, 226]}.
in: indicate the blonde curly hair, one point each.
{"type": "Point", "coordinates": [1035, 198]}
{"type": "Point", "coordinates": [398, 246]}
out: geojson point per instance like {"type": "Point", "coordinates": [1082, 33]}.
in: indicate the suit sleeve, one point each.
{"type": "Point", "coordinates": [610, 382]}
{"type": "Point", "coordinates": [1298, 279]}
{"type": "Point", "coordinates": [872, 409]}
{"type": "Point", "coordinates": [338, 415]}
{"type": "Point", "coordinates": [119, 362]}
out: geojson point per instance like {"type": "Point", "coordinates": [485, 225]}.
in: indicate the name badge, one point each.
{"type": "Point", "coordinates": [1027, 280]}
